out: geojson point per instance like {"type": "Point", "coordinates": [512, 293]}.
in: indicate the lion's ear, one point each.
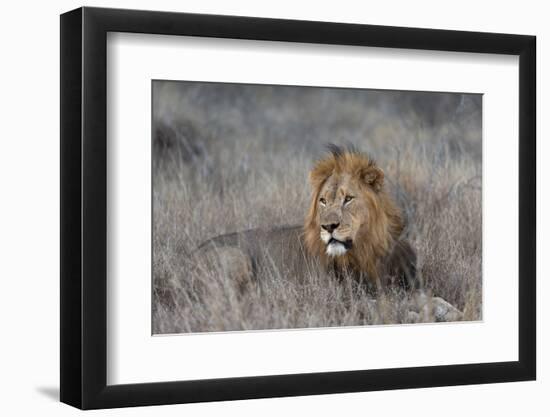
{"type": "Point", "coordinates": [374, 177]}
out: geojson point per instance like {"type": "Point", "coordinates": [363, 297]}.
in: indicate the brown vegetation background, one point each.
{"type": "Point", "coordinates": [230, 157]}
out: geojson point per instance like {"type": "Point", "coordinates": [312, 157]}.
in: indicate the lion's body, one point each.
{"type": "Point", "coordinates": [281, 248]}
{"type": "Point", "coordinates": [352, 227]}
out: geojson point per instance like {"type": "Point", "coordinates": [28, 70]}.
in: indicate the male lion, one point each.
{"type": "Point", "coordinates": [352, 227]}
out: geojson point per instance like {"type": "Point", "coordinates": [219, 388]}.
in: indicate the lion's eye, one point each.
{"type": "Point", "coordinates": [323, 201]}
{"type": "Point", "coordinates": [348, 199]}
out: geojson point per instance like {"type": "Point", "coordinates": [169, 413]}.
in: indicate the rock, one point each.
{"type": "Point", "coordinates": [426, 309]}
{"type": "Point", "coordinates": [412, 317]}
{"type": "Point", "coordinates": [444, 311]}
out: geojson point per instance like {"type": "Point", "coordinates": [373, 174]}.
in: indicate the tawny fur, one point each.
{"type": "Point", "coordinates": [380, 233]}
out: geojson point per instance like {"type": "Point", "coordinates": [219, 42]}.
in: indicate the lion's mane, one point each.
{"type": "Point", "coordinates": [377, 239]}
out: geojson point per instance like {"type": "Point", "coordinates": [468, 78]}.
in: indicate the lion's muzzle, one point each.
{"type": "Point", "coordinates": [335, 246]}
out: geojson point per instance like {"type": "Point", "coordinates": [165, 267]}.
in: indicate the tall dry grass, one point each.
{"type": "Point", "coordinates": [235, 157]}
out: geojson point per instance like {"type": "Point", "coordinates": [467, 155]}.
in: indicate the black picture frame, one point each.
{"type": "Point", "coordinates": [84, 207]}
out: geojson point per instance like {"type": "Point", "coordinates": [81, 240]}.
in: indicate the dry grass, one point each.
{"type": "Point", "coordinates": [229, 158]}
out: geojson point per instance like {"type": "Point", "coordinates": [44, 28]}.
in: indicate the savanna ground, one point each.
{"type": "Point", "coordinates": [234, 157]}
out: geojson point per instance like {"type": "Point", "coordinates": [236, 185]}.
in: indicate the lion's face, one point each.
{"type": "Point", "coordinates": [351, 222]}
{"type": "Point", "coordinates": [343, 211]}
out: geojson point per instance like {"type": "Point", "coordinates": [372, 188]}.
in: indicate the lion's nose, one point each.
{"type": "Point", "coordinates": [330, 227]}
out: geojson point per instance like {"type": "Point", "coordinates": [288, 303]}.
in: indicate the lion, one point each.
{"type": "Point", "coordinates": [352, 227]}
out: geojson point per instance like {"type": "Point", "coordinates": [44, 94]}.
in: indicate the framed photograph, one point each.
{"type": "Point", "coordinates": [258, 208]}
